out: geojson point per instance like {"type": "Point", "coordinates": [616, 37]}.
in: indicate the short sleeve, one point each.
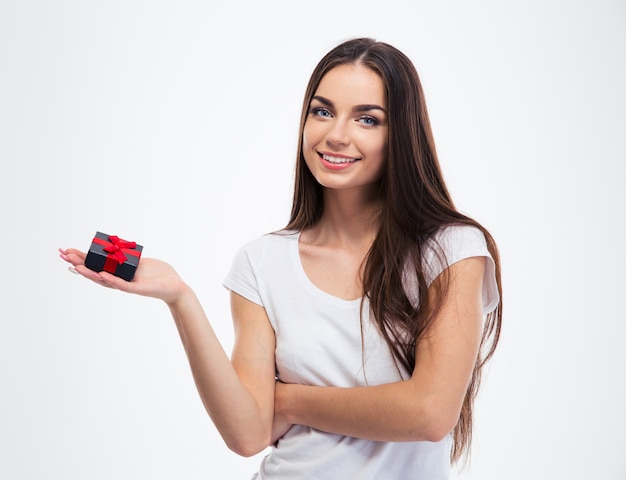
{"type": "Point", "coordinates": [241, 278]}
{"type": "Point", "coordinates": [451, 245]}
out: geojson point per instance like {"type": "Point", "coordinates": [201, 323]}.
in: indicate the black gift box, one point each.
{"type": "Point", "coordinates": [112, 254]}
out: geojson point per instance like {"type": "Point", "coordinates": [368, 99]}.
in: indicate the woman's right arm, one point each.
{"type": "Point", "coordinates": [238, 393]}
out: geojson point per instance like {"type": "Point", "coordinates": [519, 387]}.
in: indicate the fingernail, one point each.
{"type": "Point", "coordinates": [73, 270]}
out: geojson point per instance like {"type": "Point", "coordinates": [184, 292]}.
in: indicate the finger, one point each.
{"type": "Point", "coordinates": [73, 256]}
{"type": "Point", "coordinates": [72, 250]}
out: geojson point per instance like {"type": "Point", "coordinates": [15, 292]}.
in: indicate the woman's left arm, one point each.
{"type": "Point", "coordinates": [425, 407]}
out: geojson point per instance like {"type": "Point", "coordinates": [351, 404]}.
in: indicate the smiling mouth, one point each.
{"type": "Point", "coordinates": [337, 160]}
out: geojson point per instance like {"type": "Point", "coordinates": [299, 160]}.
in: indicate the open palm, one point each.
{"type": "Point", "coordinates": [153, 278]}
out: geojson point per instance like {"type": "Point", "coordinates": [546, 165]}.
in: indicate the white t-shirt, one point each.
{"type": "Point", "coordinates": [318, 342]}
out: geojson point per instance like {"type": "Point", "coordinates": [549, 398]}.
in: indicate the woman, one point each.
{"type": "Point", "coordinates": [362, 327]}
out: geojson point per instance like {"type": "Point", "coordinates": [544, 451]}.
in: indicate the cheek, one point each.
{"type": "Point", "coordinates": [376, 146]}
{"type": "Point", "coordinates": [383, 144]}
{"type": "Point", "coordinates": [307, 148]}
{"type": "Point", "coordinates": [311, 139]}
{"type": "Point", "coordinates": [305, 140]}
{"type": "Point", "coordinates": [309, 136]}
{"type": "Point", "coordinates": [379, 152]}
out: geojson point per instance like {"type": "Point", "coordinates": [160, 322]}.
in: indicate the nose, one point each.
{"type": "Point", "coordinates": [339, 134]}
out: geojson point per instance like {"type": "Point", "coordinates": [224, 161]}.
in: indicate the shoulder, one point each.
{"type": "Point", "coordinates": [254, 261]}
{"type": "Point", "coordinates": [456, 242]}
{"type": "Point", "coordinates": [265, 252]}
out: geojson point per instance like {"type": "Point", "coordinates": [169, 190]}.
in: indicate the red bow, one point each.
{"type": "Point", "coordinates": [115, 249]}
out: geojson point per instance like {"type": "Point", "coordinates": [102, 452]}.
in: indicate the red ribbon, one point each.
{"type": "Point", "coordinates": [116, 248]}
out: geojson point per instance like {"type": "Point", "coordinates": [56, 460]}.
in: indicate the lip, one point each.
{"type": "Point", "coordinates": [336, 166]}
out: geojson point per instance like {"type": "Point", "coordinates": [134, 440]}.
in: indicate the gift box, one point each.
{"type": "Point", "coordinates": [111, 254]}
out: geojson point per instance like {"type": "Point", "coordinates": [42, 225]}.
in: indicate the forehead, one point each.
{"type": "Point", "coordinates": [353, 84]}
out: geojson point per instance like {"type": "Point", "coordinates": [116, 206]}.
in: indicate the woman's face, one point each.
{"type": "Point", "coordinates": [345, 134]}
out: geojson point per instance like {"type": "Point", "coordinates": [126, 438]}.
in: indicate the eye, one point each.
{"type": "Point", "coordinates": [320, 112]}
{"type": "Point", "coordinates": [367, 120]}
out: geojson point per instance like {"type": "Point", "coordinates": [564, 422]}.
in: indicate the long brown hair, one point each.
{"type": "Point", "coordinates": [416, 204]}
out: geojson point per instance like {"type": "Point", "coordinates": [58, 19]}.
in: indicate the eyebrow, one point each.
{"type": "Point", "coordinates": [357, 108]}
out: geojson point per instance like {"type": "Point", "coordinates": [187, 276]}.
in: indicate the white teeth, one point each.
{"type": "Point", "coordinates": [330, 159]}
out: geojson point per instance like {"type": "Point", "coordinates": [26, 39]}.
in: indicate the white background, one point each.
{"type": "Point", "coordinates": [174, 124]}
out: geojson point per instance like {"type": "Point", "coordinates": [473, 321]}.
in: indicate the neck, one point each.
{"type": "Point", "coordinates": [351, 217]}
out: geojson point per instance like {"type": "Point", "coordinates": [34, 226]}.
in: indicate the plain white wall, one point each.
{"type": "Point", "coordinates": [174, 124]}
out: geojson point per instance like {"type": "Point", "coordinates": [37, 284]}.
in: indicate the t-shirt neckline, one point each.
{"type": "Point", "coordinates": [318, 292]}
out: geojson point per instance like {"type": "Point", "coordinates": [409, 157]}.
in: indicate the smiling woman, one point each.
{"type": "Point", "coordinates": [362, 326]}
{"type": "Point", "coordinates": [346, 130]}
